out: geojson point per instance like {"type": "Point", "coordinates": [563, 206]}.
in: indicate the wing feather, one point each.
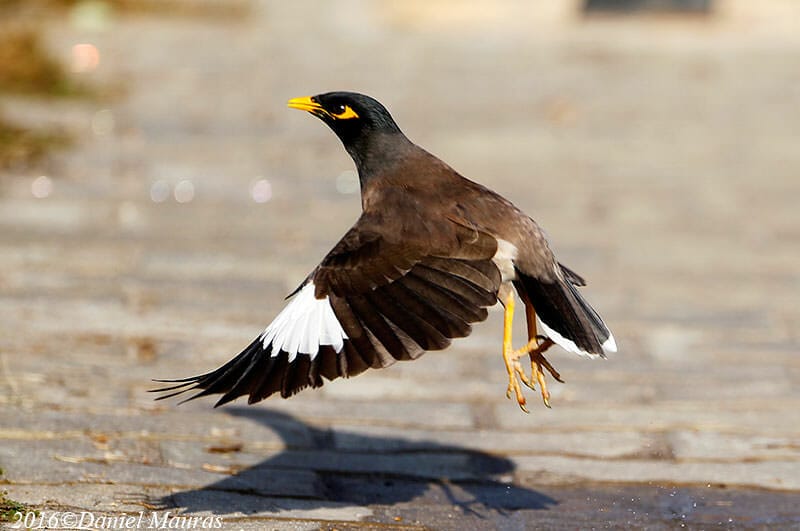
{"type": "Point", "coordinates": [380, 297]}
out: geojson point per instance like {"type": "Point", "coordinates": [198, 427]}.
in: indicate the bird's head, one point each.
{"type": "Point", "coordinates": [355, 118]}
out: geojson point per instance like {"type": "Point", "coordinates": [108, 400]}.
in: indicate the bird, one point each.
{"type": "Point", "coordinates": [430, 252]}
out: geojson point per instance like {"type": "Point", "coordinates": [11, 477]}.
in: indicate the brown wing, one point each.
{"type": "Point", "coordinates": [395, 293]}
{"type": "Point", "coordinates": [397, 297]}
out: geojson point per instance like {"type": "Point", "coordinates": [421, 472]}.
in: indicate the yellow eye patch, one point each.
{"type": "Point", "coordinates": [345, 114]}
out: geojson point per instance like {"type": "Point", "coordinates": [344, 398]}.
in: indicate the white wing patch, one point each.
{"type": "Point", "coordinates": [609, 345]}
{"type": "Point", "coordinates": [303, 326]}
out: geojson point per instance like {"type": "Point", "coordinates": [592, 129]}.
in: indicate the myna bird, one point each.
{"type": "Point", "coordinates": [429, 254]}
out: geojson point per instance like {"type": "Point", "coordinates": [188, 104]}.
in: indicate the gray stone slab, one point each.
{"type": "Point", "coordinates": [99, 498]}
{"type": "Point", "coordinates": [782, 475]}
{"type": "Point", "coordinates": [746, 417]}
{"type": "Point", "coordinates": [239, 505]}
{"type": "Point", "coordinates": [194, 422]}
{"type": "Point", "coordinates": [322, 410]}
{"type": "Point", "coordinates": [51, 461]}
{"type": "Point", "coordinates": [225, 454]}
{"type": "Point", "coordinates": [147, 505]}
{"type": "Point", "coordinates": [732, 447]}
{"type": "Point", "coordinates": [70, 460]}
{"type": "Point", "coordinates": [455, 464]}
{"type": "Point", "coordinates": [587, 443]}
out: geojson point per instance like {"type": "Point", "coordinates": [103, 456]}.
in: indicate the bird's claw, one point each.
{"type": "Point", "coordinates": [522, 376]}
{"type": "Point", "coordinates": [514, 376]}
{"type": "Point", "coordinates": [539, 364]}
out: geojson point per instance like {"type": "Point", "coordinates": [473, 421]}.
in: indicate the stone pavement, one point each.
{"type": "Point", "coordinates": [661, 157]}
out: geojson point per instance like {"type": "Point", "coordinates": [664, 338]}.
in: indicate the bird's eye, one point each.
{"type": "Point", "coordinates": [343, 112]}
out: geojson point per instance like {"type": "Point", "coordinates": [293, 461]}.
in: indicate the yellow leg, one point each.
{"type": "Point", "coordinates": [532, 349]}
{"type": "Point", "coordinates": [536, 352]}
{"type": "Point", "coordinates": [511, 357]}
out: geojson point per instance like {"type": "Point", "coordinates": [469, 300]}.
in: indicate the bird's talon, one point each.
{"type": "Point", "coordinates": [522, 376]}
{"type": "Point", "coordinates": [527, 381]}
{"type": "Point", "coordinates": [514, 387]}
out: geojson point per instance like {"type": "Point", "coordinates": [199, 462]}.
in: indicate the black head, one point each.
{"type": "Point", "coordinates": [355, 118]}
{"type": "Point", "coordinates": [349, 114]}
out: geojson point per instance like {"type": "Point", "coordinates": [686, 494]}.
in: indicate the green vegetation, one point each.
{"type": "Point", "coordinates": [10, 507]}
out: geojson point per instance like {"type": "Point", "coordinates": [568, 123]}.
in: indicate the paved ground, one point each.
{"type": "Point", "coordinates": [661, 156]}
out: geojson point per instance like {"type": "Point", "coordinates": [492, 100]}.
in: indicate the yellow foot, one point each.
{"type": "Point", "coordinates": [533, 349]}
{"type": "Point", "coordinates": [538, 365]}
{"type": "Point", "coordinates": [515, 375]}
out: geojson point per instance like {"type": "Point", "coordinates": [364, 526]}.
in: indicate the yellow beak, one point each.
{"type": "Point", "coordinates": [304, 104]}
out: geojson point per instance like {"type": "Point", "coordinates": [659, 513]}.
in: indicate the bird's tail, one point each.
{"type": "Point", "coordinates": [565, 317]}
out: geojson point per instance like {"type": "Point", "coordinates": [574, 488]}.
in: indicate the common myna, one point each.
{"type": "Point", "coordinates": [429, 254]}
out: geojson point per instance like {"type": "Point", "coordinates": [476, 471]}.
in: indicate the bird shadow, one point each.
{"type": "Point", "coordinates": [336, 468]}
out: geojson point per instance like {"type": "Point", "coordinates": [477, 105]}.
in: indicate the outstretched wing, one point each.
{"type": "Point", "coordinates": [379, 296]}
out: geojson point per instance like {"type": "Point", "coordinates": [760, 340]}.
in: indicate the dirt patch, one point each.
{"type": "Point", "coordinates": [27, 68]}
{"type": "Point", "coordinates": [21, 147]}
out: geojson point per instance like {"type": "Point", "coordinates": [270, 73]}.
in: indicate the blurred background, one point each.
{"type": "Point", "coordinates": [158, 201]}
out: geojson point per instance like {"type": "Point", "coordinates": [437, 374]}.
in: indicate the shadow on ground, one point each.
{"type": "Point", "coordinates": [342, 469]}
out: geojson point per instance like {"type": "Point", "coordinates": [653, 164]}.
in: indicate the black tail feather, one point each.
{"type": "Point", "coordinates": [561, 307]}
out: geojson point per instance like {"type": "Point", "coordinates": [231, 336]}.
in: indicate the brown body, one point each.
{"type": "Point", "coordinates": [404, 194]}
